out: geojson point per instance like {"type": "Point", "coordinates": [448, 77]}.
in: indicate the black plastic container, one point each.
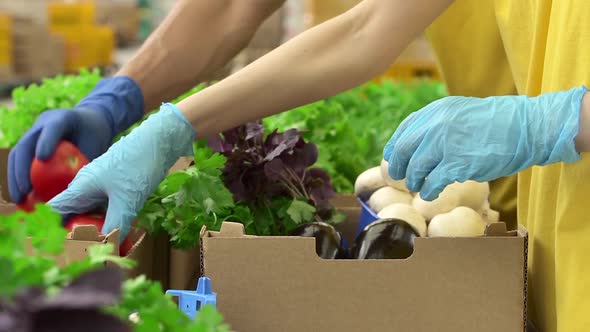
{"type": "Point", "coordinates": [385, 239]}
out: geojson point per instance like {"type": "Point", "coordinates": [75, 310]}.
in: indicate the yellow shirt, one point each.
{"type": "Point", "coordinates": [544, 45]}
{"type": "Point", "coordinates": [480, 71]}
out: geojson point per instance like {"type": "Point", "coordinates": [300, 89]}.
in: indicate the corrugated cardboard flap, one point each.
{"type": "Point", "coordinates": [228, 230]}
{"type": "Point", "coordinates": [498, 229]}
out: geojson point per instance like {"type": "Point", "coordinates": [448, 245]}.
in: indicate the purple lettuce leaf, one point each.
{"type": "Point", "coordinates": [78, 307]}
{"type": "Point", "coordinates": [277, 143]}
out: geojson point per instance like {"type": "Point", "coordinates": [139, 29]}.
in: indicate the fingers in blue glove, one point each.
{"type": "Point", "coordinates": [398, 155]}
{"type": "Point", "coordinates": [19, 166]}
{"type": "Point", "coordinates": [119, 215]}
{"type": "Point", "coordinates": [84, 195]}
{"type": "Point", "coordinates": [51, 134]}
{"type": "Point", "coordinates": [419, 168]}
{"type": "Point", "coordinates": [435, 183]}
{"type": "Point", "coordinates": [129, 171]}
{"type": "Point", "coordinates": [39, 142]}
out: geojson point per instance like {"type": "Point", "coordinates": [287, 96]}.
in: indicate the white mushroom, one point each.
{"type": "Point", "coordinates": [406, 213]}
{"type": "Point", "coordinates": [397, 184]}
{"type": "Point", "coordinates": [446, 201]}
{"type": "Point", "coordinates": [460, 222]}
{"type": "Point", "coordinates": [488, 214]}
{"type": "Point", "coordinates": [368, 182]}
{"type": "Point", "coordinates": [387, 196]}
{"type": "Point", "coordinates": [472, 194]}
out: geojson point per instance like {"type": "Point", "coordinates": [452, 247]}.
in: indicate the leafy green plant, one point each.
{"type": "Point", "coordinates": [190, 199]}
{"type": "Point", "coordinates": [274, 176]}
{"type": "Point", "coordinates": [43, 230]}
{"type": "Point", "coordinates": [157, 312]}
{"type": "Point", "coordinates": [33, 288]}
{"type": "Point", "coordinates": [63, 91]}
{"type": "Point", "coordinates": [351, 128]}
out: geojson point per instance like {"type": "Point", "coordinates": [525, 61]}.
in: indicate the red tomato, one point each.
{"type": "Point", "coordinates": [125, 247]}
{"type": "Point", "coordinates": [96, 219]}
{"type": "Point", "coordinates": [52, 176]}
{"type": "Point", "coordinates": [28, 205]}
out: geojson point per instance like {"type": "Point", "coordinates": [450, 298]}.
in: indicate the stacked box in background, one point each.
{"type": "Point", "coordinates": [123, 16]}
{"type": "Point", "coordinates": [6, 48]}
{"type": "Point", "coordinates": [36, 10]}
{"type": "Point", "coordinates": [417, 61]}
{"type": "Point", "coordinates": [37, 53]}
{"type": "Point", "coordinates": [87, 44]}
{"type": "Point", "coordinates": [71, 13]}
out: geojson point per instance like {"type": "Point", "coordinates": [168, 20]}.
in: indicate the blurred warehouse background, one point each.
{"type": "Point", "coordinates": [44, 38]}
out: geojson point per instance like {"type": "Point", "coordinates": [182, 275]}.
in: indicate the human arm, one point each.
{"type": "Point", "coordinates": [330, 58]}
{"type": "Point", "coordinates": [482, 139]}
{"type": "Point", "coordinates": [196, 39]}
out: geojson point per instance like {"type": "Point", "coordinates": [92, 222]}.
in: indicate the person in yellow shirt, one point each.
{"type": "Point", "coordinates": [540, 44]}
{"type": "Point", "coordinates": [485, 48]}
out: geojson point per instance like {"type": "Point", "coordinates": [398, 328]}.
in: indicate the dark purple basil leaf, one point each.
{"type": "Point", "coordinates": [271, 142]}
{"type": "Point", "coordinates": [310, 154]}
{"type": "Point", "coordinates": [29, 298]}
{"type": "Point", "coordinates": [15, 322]}
{"type": "Point", "coordinates": [87, 320]}
{"type": "Point", "coordinates": [217, 144]}
{"type": "Point", "coordinates": [78, 307]}
{"type": "Point", "coordinates": [97, 288]}
{"type": "Point", "coordinates": [16, 315]}
{"type": "Point", "coordinates": [234, 136]}
{"type": "Point", "coordinates": [254, 130]}
{"type": "Point", "coordinates": [317, 183]}
{"type": "Point", "coordinates": [233, 182]}
{"type": "Point", "coordinates": [301, 158]}
{"type": "Point", "coordinates": [324, 210]}
{"type": "Point", "coordinates": [281, 142]}
{"type": "Point", "coordinates": [274, 170]}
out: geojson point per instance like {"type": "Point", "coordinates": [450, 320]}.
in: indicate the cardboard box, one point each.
{"type": "Point", "coordinates": [36, 10]}
{"type": "Point", "coordinates": [448, 284]}
{"type": "Point", "coordinates": [37, 52]}
{"type": "Point", "coordinates": [6, 44]}
{"type": "Point", "coordinates": [123, 18]}
{"type": "Point", "coordinates": [68, 13]}
{"type": "Point", "coordinates": [6, 74]}
{"type": "Point", "coordinates": [82, 237]}
{"type": "Point", "coordinates": [185, 265]}
{"type": "Point", "coordinates": [152, 253]}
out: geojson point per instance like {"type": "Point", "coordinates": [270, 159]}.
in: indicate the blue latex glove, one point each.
{"type": "Point", "coordinates": [129, 171]}
{"type": "Point", "coordinates": [461, 138]}
{"type": "Point", "coordinates": [113, 106]}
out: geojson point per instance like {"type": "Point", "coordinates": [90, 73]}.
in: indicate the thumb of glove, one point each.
{"type": "Point", "coordinates": [81, 196]}
{"type": "Point", "coordinates": [119, 215]}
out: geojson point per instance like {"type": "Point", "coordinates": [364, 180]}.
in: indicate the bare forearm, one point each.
{"type": "Point", "coordinates": [335, 56]}
{"type": "Point", "coordinates": [197, 38]}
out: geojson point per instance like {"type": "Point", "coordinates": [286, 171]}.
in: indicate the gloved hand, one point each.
{"type": "Point", "coordinates": [462, 138]}
{"type": "Point", "coordinates": [129, 171]}
{"type": "Point", "coordinates": [113, 106]}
